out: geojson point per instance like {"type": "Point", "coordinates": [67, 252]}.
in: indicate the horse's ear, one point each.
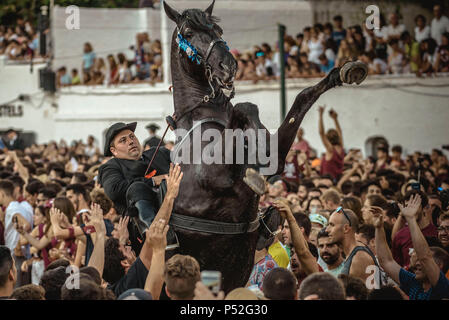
{"type": "Point", "coordinates": [171, 13]}
{"type": "Point", "coordinates": [210, 8]}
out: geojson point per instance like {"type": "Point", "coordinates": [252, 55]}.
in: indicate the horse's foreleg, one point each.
{"type": "Point", "coordinates": [303, 102]}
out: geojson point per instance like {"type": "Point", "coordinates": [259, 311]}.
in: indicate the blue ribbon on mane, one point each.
{"type": "Point", "coordinates": [189, 49]}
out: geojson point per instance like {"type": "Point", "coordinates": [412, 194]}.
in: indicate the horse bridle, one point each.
{"type": "Point", "coordinates": [197, 57]}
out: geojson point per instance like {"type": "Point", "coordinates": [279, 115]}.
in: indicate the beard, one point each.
{"type": "Point", "coordinates": [330, 259]}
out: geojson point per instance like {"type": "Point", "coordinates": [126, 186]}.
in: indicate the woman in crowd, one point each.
{"type": "Point", "coordinates": [88, 61]}
{"type": "Point", "coordinates": [315, 46]}
{"type": "Point", "coordinates": [332, 161]}
{"type": "Point", "coordinates": [40, 241]}
{"type": "Point", "coordinates": [113, 70]}
{"type": "Point", "coordinates": [422, 31]}
{"type": "Point", "coordinates": [124, 74]}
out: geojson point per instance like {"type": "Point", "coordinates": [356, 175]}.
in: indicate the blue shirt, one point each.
{"type": "Point", "coordinates": [338, 36]}
{"type": "Point", "coordinates": [327, 68]}
{"type": "Point", "coordinates": [88, 60]}
{"type": "Point", "coordinates": [66, 79]}
{"type": "Point", "coordinates": [415, 291]}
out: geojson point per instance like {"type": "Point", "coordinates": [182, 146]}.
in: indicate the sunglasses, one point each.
{"type": "Point", "coordinates": [346, 216]}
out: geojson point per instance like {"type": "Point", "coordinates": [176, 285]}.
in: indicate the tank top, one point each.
{"type": "Point", "coordinates": [348, 261]}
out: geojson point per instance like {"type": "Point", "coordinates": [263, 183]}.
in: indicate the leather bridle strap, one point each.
{"type": "Point", "coordinates": [210, 226]}
{"type": "Point", "coordinates": [211, 46]}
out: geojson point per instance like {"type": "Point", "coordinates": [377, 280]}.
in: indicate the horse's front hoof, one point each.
{"type": "Point", "coordinates": [255, 181]}
{"type": "Point", "coordinates": [353, 71]}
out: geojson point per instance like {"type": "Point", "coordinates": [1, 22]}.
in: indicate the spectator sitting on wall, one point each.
{"type": "Point", "coordinates": [75, 77]}
{"type": "Point", "coordinates": [326, 65]}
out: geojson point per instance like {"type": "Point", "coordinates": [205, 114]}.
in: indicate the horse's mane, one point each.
{"type": "Point", "coordinates": [198, 19]}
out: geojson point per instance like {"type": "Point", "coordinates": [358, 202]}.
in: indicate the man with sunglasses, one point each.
{"type": "Point", "coordinates": [342, 227]}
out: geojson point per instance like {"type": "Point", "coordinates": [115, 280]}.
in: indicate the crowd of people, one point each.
{"type": "Point", "coordinates": [341, 226]}
{"type": "Point", "coordinates": [389, 50]}
{"type": "Point", "coordinates": [145, 67]}
{"type": "Point", "coordinates": [312, 53]}
{"type": "Point", "coordinates": [20, 42]}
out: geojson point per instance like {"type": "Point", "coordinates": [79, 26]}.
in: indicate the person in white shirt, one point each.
{"type": "Point", "coordinates": [15, 214]}
{"type": "Point", "coordinates": [439, 25]}
{"type": "Point", "coordinates": [422, 31]}
{"type": "Point", "coordinates": [394, 29]}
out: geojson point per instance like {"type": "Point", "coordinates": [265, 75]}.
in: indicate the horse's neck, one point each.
{"type": "Point", "coordinates": [187, 91]}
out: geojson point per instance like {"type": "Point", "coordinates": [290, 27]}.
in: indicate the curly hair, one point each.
{"type": "Point", "coordinates": [29, 292]}
{"type": "Point", "coordinates": [99, 197]}
{"type": "Point", "coordinates": [181, 273]}
{"type": "Point", "coordinates": [113, 269]}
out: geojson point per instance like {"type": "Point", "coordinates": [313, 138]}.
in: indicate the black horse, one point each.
{"type": "Point", "coordinates": [215, 214]}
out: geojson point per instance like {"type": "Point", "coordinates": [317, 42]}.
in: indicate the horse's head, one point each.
{"type": "Point", "coordinates": [202, 53]}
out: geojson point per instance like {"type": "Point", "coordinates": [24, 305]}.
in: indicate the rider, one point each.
{"type": "Point", "coordinates": [124, 182]}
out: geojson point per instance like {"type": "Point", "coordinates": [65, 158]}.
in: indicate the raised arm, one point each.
{"type": "Point", "coordinates": [420, 245]}
{"type": "Point", "coordinates": [39, 244]}
{"type": "Point", "coordinates": [327, 144]}
{"type": "Point", "coordinates": [348, 174]}
{"type": "Point", "coordinates": [307, 260]}
{"type": "Point", "coordinates": [96, 219]}
{"type": "Point", "coordinates": [157, 235]}
{"type": "Point", "coordinates": [334, 115]}
{"type": "Point", "coordinates": [21, 170]}
{"type": "Point", "coordinates": [383, 251]}
{"type": "Point", "coordinates": [164, 213]}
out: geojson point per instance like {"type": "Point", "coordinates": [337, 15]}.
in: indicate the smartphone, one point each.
{"type": "Point", "coordinates": [415, 186]}
{"type": "Point", "coordinates": [212, 280]}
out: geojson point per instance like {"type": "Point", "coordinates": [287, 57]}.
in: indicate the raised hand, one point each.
{"type": "Point", "coordinates": [20, 229]}
{"type": "Point", "coordinates": [302, 158]}
{"type": "Point", "coordinates": [56, 216]}
{"type": "Point", "coordinates": [96, 218]}
{"type": "Point", "coordinates": [157, 235]}
{"type": "Point", "coordinates": [321, 109]}
{"type": "Point", "coordinates": [333, 114]}
{"type": "Point", "coordinates": [123, 233]}
{"type": "Point", "coordinates": [283, 208]}
{"type": "Point", "coordinates": [174, 180]}
{"type": "Point", "coordinates": [378, 217]}
{"type": "Point", "coordinates": [412, 207]}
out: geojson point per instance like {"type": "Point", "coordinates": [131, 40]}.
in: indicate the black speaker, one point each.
{"type": "Point", "coordinates": [47, 80]}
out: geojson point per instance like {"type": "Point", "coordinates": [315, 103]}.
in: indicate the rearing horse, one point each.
{"type": "Point", "coordinates": [215, 214]}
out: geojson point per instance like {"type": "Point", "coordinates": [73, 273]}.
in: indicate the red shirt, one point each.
{"type": "Point", "coordinates": [402, 242]}
{"type": "Point", "coordinates": [334, 166]}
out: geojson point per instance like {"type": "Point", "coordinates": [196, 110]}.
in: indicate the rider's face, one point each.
{"type": "Point", "coordinates": [126, 146]}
